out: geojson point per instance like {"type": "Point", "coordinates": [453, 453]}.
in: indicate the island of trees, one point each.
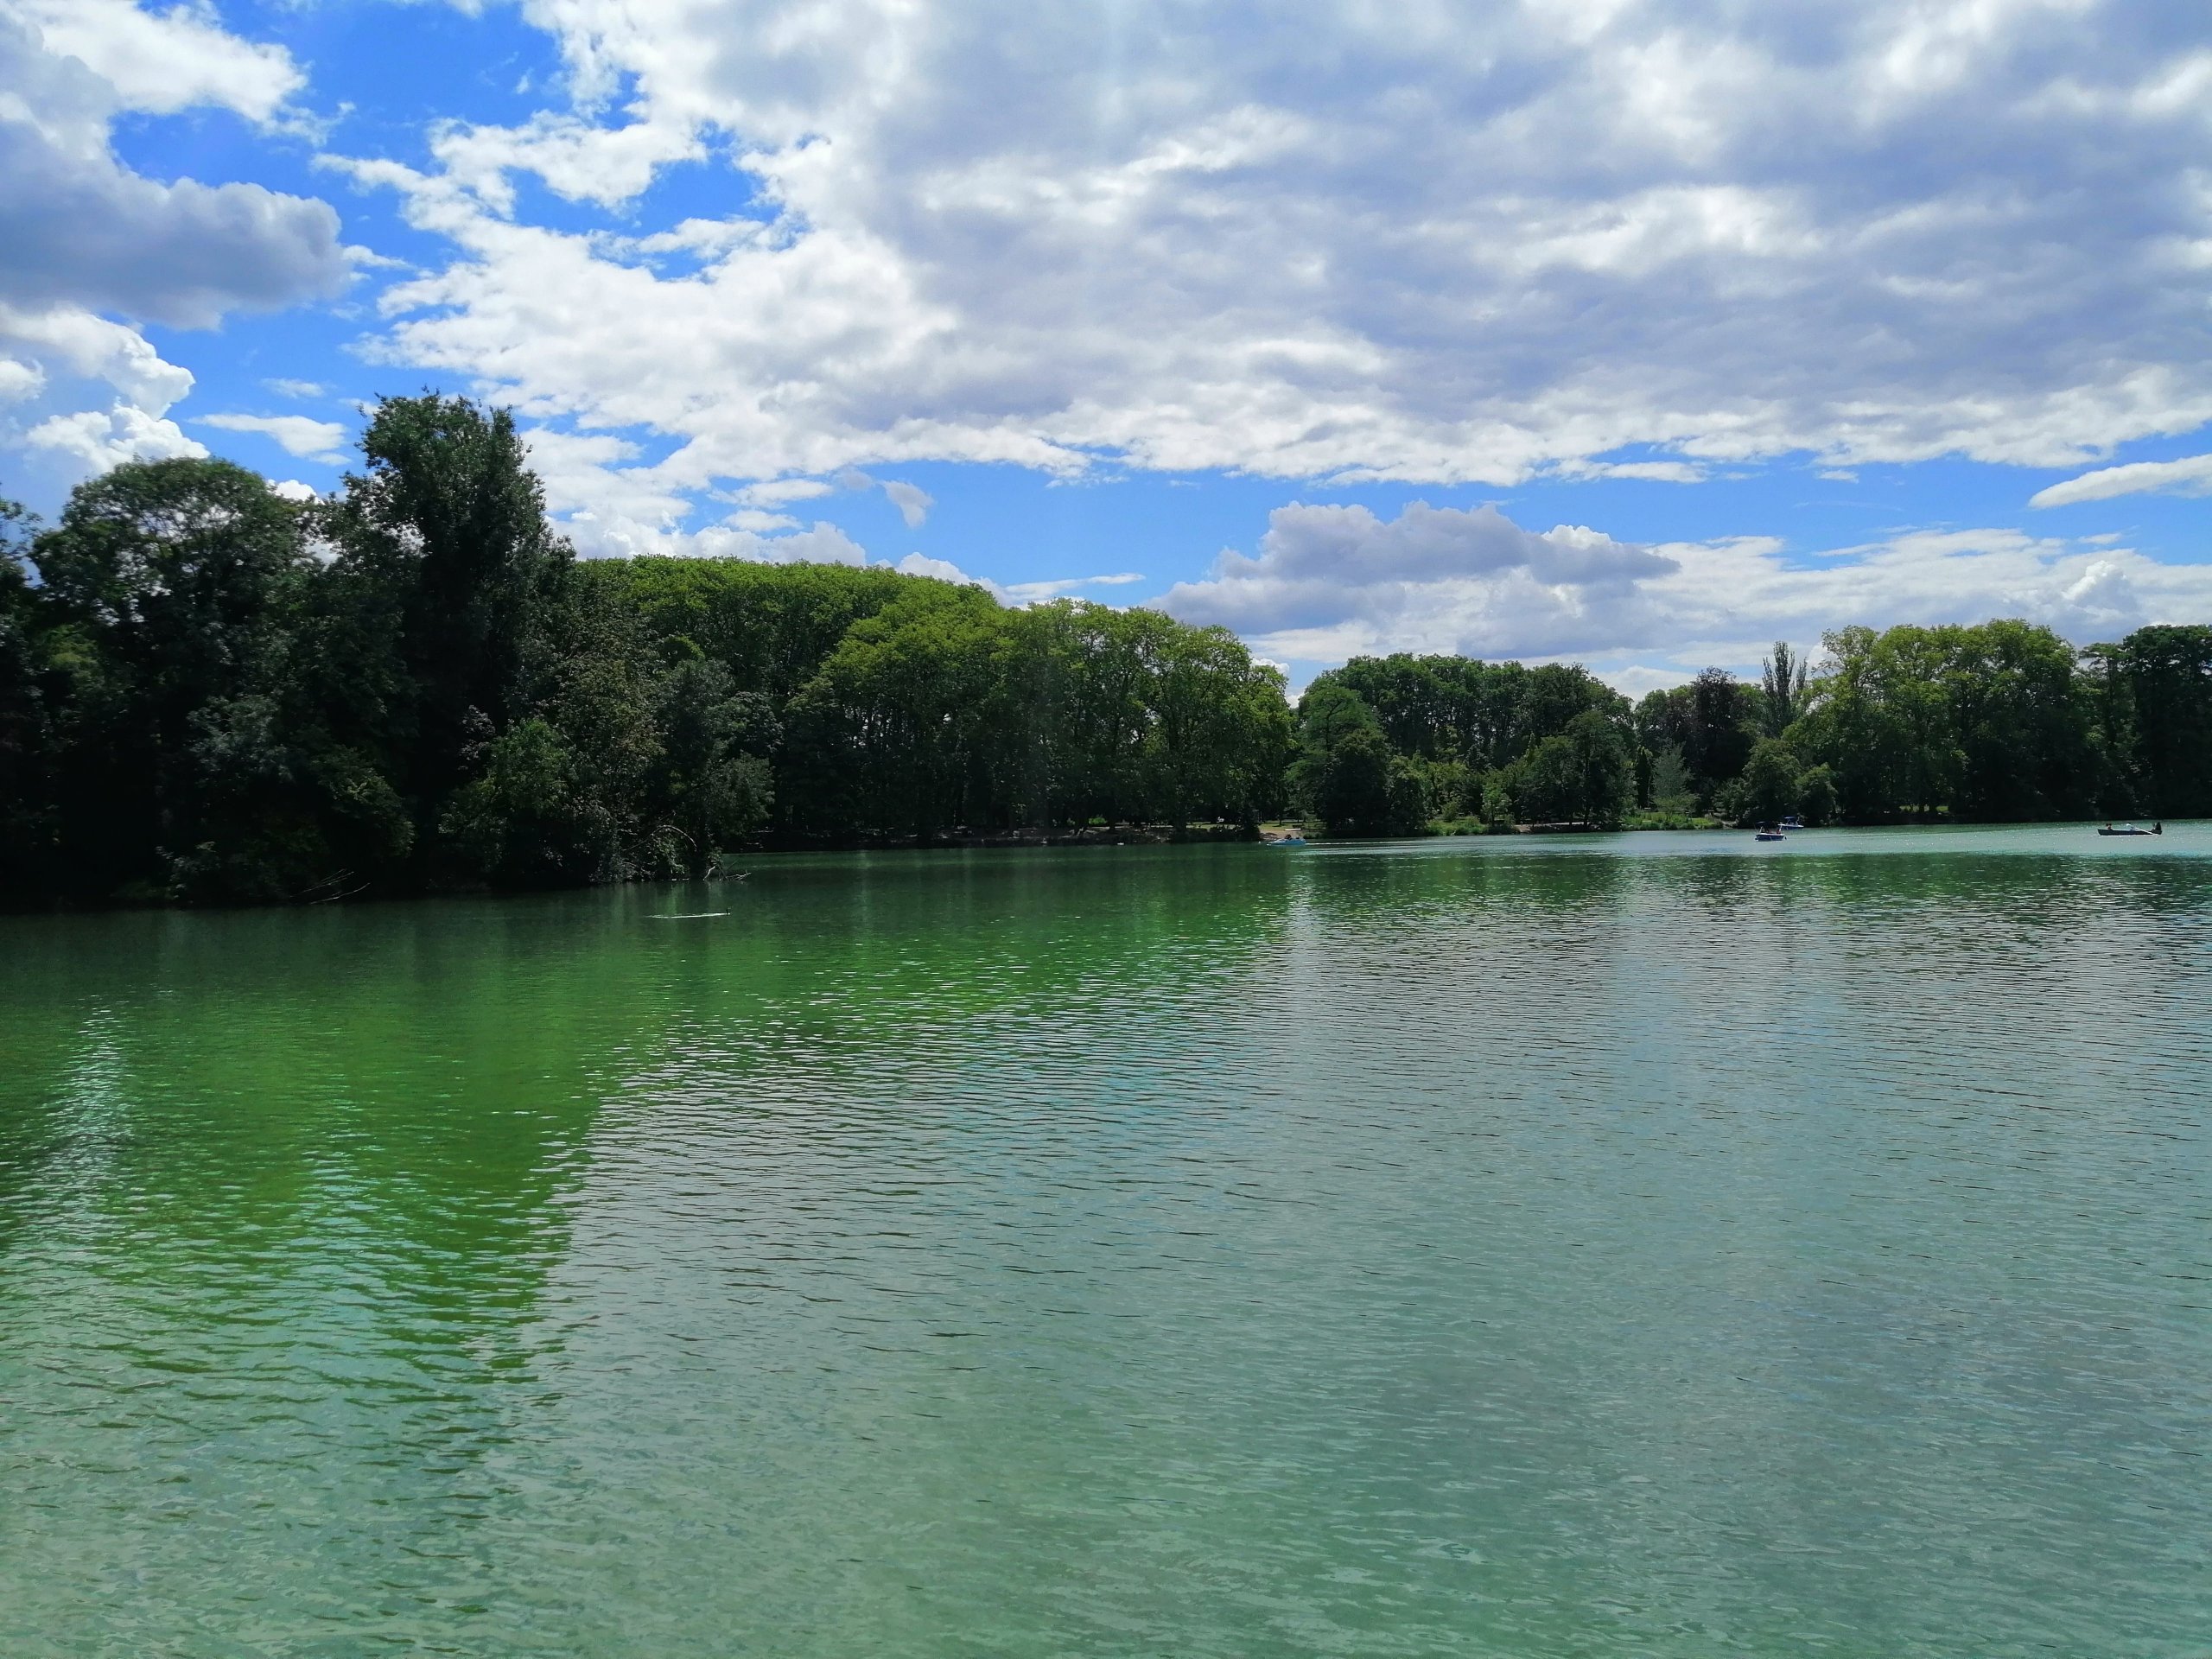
{"type": "Point", "coordinates": [209, 692]}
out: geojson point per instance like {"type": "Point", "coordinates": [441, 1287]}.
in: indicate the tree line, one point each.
{"type": "Point", "coordinates": [209, 692]}
{"type": "Point", "coordinates": [1998, 721]}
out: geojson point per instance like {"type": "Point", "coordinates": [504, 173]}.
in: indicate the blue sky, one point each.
{"type": "Point", "coordinates": [1635, 332]}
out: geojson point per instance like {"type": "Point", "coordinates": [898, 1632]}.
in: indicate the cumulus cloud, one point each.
{"type": "Point", "coordinates": [19, 380]}
{"type": "Point", "coordinates": [1325, 573]}
{"type": "Point", "coordinates": [81, 230]}
{"type": "Point", "coordinates": [162, 62]}
{"type": "Point", "coordinates": [97, 440]}
{"type": "Point", "coordinates": [2192, 475]}
{"type": "Point", "coordinates": [1417, 243]}
{"type": "Point", "coordinates": [89, 393]}
{"type": "Point", "coordinates": [1332, 582]}
{"type": "Point", "coordinates": [70, 342]}
{"type": "Point", "coordinates": [920, 564]}
{"type": "Point", "coordinates": [296, 434]}
{"type": "Point", "coordinates": [745, 534]}
{"type": "Point", "coordinates": [821, 543]}
{"type": "Point", "coordinates": [83, 235]}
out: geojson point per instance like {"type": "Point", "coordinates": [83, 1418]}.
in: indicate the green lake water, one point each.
{"type": "Point", "coordinates": [1651, 1245]}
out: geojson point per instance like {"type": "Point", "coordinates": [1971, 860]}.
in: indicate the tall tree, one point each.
{"type": "Point", "coordinates": [1782, 678]}
{"type": "Point", "coordinates": [446, 527]}
{"type": "Point", "coordinates": [1347, 774]}
{"type": "Point", "coordinates": [899, 723]}
{"type": "Point", "coordinates": [2167, 674]}
{"type": "Point", "coordinates": [181, 574]}
{"type": "Point", "coordinates": [28, 686]}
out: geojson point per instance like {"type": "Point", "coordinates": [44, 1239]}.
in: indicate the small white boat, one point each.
{"type": "Point", "coordinates": [1769, 835]}
{"type": "Point", "coordinates": [1285, 841]}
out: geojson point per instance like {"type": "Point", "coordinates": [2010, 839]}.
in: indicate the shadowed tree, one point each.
{"type": "Point", "coordinates": [27, 691]}
{"type": "Point", "coordinates": [1346, 773]}
{"type": "Point", "coordinates": [2166, 673]}
{"type": "Point", "coordinates": [446, 529]}
{"type": "Point", "coordinates": [184, 575]}
{"type": "Point", "coordinates": [1772, 786]}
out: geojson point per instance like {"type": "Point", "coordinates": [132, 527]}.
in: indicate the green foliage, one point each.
{"type": "Point", "coordinates": [2002, 721]}
{"type": "Point", "coordinates": [169, 587]}
{"type": "Point", "coordinates": [444, 532]}
{"type": "Point", "coordinates": [899, 724]}
{"type": "Point", "coordinates": [1816, 795]}
{"type": "Point", "coordinates": [1671, 791]}
{"type": "Point", "coordinates": [210, 693]}
{"type": "Point", "coordinates": [1480, 715]}
{"type": "Point", "coordinates": [1585, 774]}
{"type": "Point", "coordinates": [28, 687]}
{"type": "Point", "coordinates": [1348, 775]}
{"type": "Point", "coordinates": [2153, 695]}
{"type": "Point", "coordinates": [1772, 785]}
{"type": "Point", "coordinates": [1783, 678]}
{"type": "Point", "coordinates": [1710, 724]}
{"type": "Point", "coordinates": [1993, 721]}
{"type": "Point", "coordinates": [714, 785]}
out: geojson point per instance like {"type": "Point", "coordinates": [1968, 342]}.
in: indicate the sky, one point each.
{"type": "Point", "coordinates": [1636, 333]}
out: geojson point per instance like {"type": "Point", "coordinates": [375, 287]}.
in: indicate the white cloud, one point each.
{"type": "Point", "coordinates": [757, 519]}
{"type": "Point", "coordinates": [293, 490]}
{"type": "Point", "coordinates": [303, 389]}
{"type": "Point", "coordinates": [2191, 475]}
{"type": "Point", "coordinates": [912, 501]}
{"type": "Point", "coordinates": [920, 564]}
{"type": "Point", "coordinates": [1017, 593]}
{"type": "Point", "coordinates": [1417, 243]}
{"type": "Point", "coordinates": [779, 491]}
{"type": "Point", "coordinates": [162, 62]}
{"type": "Point", "coordinates": [97, 440]}
{"type": "Point", "coordinates": [1035, 593]}
{"type": "Point", "coordinates": [71, 342]}
{"type": "Point", "coordinates": [92, 393]}
{"type": "Point", "coordinates": [819, 544]}
{"type": "Point", "coordinates": [84, 235]}
{"type": "Point", "coordinates": [1326, 575]}
{"type": "Point", "coordinates": [20, 380]}
{"type": "Point", "coordinates": [1654, 471]}
{"type": "Point", "coordinates": [295, 433]}
{"type": "Point", "coordinates": [1332, 582]}
{"type": "Point", "coordinates": [577, 159]}
{"type": "Point", "coordinates": [83, 230]}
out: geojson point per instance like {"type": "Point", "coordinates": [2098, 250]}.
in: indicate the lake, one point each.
{"type": "Point", "coordinates": [1656, 1244]}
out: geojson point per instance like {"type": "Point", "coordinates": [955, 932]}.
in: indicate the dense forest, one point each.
{"type": "Point", "coordinates": [210, 692]}
{"type": "Point", "coordinates": [2001, 721]}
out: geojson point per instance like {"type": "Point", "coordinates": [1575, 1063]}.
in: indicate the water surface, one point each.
{"type": "Point", "coordinates": [1655, 1245]}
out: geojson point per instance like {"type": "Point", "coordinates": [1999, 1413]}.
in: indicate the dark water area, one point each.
{"type": "Point", "coordinates": [1644, 1245]}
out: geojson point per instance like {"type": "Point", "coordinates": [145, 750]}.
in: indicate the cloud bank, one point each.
{"type": "Point", "coordinates": [1423, 243]}
{"type": "Point", "coordinates": [1331, 582]}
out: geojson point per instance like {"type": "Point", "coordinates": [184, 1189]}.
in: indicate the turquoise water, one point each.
{"type": "Point", "coordinates": [1653, 1245]}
